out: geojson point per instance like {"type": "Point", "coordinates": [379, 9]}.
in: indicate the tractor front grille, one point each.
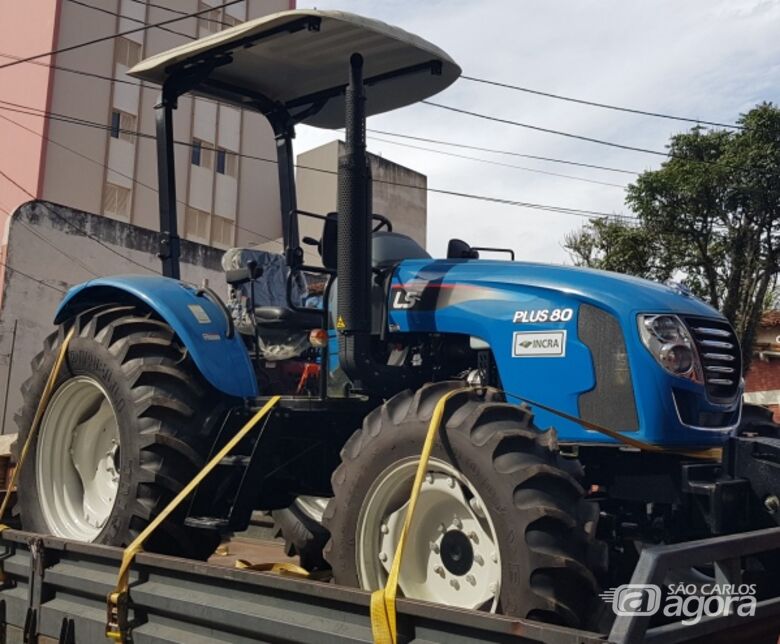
{"type": "Point", "coordinates": [720, 356]}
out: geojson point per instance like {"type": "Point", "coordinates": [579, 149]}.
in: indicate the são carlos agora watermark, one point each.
{"type": "Point", "coordinates": [689, 602]}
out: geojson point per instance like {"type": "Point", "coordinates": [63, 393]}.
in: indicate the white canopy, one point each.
{"type": "Point", "coordinates": [290, 56]}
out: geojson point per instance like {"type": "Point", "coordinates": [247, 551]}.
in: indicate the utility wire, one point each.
{"type": "Point", "coordinates": [58, 215]}
{"type": "Point", "coordinates": [135, 20]}
{"type": "Point", "coordinates": [107, 167]}
{"type": "Point", "coordinates": [538, 128]}
{"type": "Point", "coordinates": [504, 152]}
{"type": "Point", "coordinates": [498, 163]}
{"type": "Point", "coordinates": [180, 12]}
{"type": "Point", "coordinates": [127, 32]}
{"type": "Point", "coordinates": [590, 214]}
{"type": "Point", "coordinates": [606, 106]}
{"type": "Point", "coordinates": [23, 274]}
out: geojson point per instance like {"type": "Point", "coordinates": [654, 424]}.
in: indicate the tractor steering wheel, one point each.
{"type": "Point", "coordinates": [384, 222]}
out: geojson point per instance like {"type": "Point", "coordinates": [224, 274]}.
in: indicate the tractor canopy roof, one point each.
{"type": "Point", "coordinates": [297, 63]}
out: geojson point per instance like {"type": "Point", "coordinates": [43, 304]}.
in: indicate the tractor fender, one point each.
{"type": "Point", "coordinates": [203, 326]}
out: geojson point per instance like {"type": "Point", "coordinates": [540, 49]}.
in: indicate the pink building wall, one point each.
{"type": "Point", "coordinates": [27, 84]}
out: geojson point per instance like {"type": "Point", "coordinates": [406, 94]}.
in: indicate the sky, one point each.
{"type": "Point", "coordinates": [702, 59]}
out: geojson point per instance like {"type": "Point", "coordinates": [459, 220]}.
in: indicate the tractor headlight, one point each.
{"type": "Point", "coordinates": [670, 342]}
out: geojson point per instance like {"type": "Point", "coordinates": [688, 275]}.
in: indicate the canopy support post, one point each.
{"type": "Point", "coordinates": [166, 185]}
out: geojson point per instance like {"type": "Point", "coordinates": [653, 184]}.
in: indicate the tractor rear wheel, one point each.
{"type": "Point", "coordinates": [501, 524]}
{"type": "Point", "coordinates": [127, 427]}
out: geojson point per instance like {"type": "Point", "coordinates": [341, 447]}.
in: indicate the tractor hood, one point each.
{"type": "Point", "coordinates": [464, 280]}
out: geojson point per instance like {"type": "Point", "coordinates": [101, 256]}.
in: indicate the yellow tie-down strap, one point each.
{"type": "Point", "coordinates": [116, 626]}
{"type": "Point", "coordinates": [48, 390]}
{"type": "Point", "coordinates": [383, 616]}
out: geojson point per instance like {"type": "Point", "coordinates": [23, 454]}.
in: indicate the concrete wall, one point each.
{"type": "Point", "coordinates": [398, 192]}
{"type": "Point", "coordinates": [50, 252]}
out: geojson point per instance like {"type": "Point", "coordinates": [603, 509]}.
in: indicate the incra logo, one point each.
{"type": "Point", "coordinates": [539, 344]}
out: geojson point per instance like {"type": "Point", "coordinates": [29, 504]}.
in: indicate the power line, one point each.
{"type": "Point", "coordinates": [590, 214]}
{"type": "Point", "coordinates": [127, 32]}
{"type": "Point", "coordinates": [504, 152]}
{"type": "Point", "coordinates": [58, 215]}
{"type": "Point", "coordinates": [107, 167]}
{"type": "Point", "coordinates": [136, 20]}
{"type": "Point", "coordinates": [180, 12]}
{"type": "Point", "coordinates": [498, 163]}
{"type": "Point", "coordinates": [538, 128]}
{"type": "Point", "coordinates": [23, 274]}
{"type": "Point", "coordinates": [607, 106]}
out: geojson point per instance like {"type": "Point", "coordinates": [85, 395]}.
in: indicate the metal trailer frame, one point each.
{"type": "Point", "coordinates": [56, 588]}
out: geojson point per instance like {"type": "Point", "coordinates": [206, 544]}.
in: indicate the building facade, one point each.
{"type": "Point", "coordinates": [762, 381]}
{"type": "Point", "coordinates": [106, 163]}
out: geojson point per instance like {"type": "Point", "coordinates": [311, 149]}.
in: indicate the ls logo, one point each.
{"type": "Point", "coordinates": [405, 300]}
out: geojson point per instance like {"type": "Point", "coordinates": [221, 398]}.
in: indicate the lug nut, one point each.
{"type": "Point", "coordinates": [471, 579]}
{"type": "Point", "coordinates": [473, 536]}
{"type": "Point", "coordinates": [772, 504]}
{"type": "Point", "coordinates": [384, 529]}
{"type": "Point", "coordinates": [382, 556]}
{"type": "Point", "coordinates": [450, 481]}
{"type": "Point", "coordinates": [479, 560]}
{"type": "Point", "coordinates": [457, 522]}
{"type": "Point", "coordinates": [439, 570]}
{"type": "Point", "coordinates": [442, 528]}
{"type": "Point", "coordinates": [434, 547]}
{"type": "Point", "coordinates": [429, 478]}
{"type": "Point", "coordinates": [455, 584]}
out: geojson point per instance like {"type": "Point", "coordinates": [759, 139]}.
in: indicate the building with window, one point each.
{"type": "Point", "coordinates": [96, 150]}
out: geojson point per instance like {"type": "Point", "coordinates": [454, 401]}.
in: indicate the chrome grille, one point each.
{"type": "Point", "coordinates": [719, 351]}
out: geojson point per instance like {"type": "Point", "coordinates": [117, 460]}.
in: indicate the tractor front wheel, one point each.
{"type": "Point", "coordinates": [127, 427]}
{"type": "Point", "coordinates": [501, 524]}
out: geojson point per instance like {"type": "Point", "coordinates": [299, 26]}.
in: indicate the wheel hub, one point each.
{"type": "Point", "coordinates": [456, 552]}
{"type": "Point", "coordinates": [451, 554]}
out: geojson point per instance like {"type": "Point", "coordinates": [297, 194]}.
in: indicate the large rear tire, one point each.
{"type": "Point", "coordinates": [501, 523]}
{"type": "Point", "coordinates": [127, 427]}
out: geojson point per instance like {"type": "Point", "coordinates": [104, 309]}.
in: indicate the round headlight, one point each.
{"type": "Point", "coordinates": [664, 327]}
{"type": "Point", "coordinates": [677, 358]}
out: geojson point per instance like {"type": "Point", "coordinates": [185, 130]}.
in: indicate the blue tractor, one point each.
{"type": "Point", "coordinates": [602, 412]}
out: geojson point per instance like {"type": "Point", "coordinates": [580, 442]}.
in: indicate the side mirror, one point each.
{"type": "Point", "coordinates": [329, 243]}
{"type": "Point", "coordinates": [458, 249]}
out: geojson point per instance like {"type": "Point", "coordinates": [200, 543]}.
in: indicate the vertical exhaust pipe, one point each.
{"type": "Point", "coordinates": [353, 267]}
{"type": "Point", "coordinates": [354, 232]}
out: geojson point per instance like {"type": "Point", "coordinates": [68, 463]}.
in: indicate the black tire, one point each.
{"type": "Point", "coordinates": [303, 536]}
{"type": "Point", "coordinates": [536, 505]}
{"type": "Point", "coordinates": [166, 417]}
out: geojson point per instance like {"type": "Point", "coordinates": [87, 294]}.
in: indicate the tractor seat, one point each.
{"type": "Point", "coordinates": [284, 318]}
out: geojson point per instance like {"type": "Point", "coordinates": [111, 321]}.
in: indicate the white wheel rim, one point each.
{"type": "Point", "coordinates": [451, 555]}
{"type": "Point", "coordinates": [312, 506]}
{"type": "Point", "coordinates": [77, 460]}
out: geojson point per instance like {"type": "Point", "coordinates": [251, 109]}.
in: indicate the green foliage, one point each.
{"type": "Point", "coordinates": [710, 213]}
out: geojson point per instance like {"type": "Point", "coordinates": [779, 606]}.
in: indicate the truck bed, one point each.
{"type": "Point", "coordinates": [55, 590]}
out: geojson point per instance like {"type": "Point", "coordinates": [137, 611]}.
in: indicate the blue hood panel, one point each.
{"type": "Point", "coordinates": [506, 303]}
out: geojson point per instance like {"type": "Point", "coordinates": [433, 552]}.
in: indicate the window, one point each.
{"type": "Point", "coordinates": [123, 126]}
{"type": "Point", "coordinates": [209, 22]}
{"type": "Point", "coordinates": [202, 154]}
{"type": "Point", "coordinates": [229, 21]}
{"type": "Point", "coordinates": [116, 201]}
{"type": "Point", "coordinates": [196, 224]}
{"type": "Point", "coordinates": [127, 52]}
{"type": "Point", "coordinates": [221, 231]}
{"type": "Point", "coordinates": [227, 163]}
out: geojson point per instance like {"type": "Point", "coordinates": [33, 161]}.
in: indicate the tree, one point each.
{"type": "Point", "coordinates": [711, 212]}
